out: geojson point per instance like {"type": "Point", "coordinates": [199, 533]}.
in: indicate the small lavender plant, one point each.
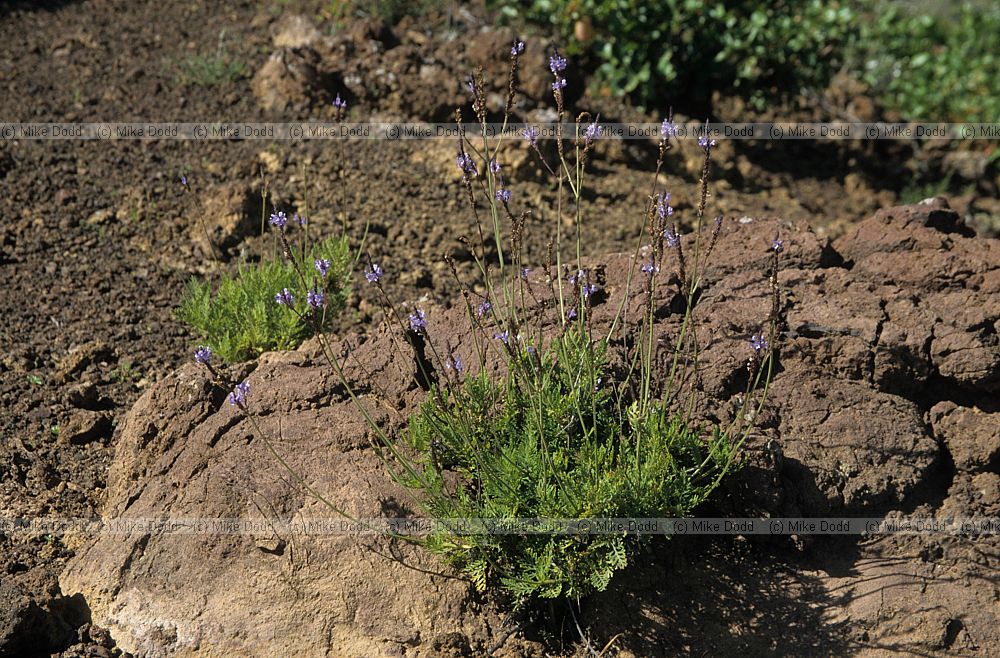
{"type": "Point", "coordinates": [276, 303]}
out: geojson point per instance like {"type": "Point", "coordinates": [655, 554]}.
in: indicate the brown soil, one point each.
{"type": "Point", "coordinates": [98, 238]}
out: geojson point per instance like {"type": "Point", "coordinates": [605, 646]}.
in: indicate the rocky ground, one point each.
{"type": "Point", "coordinates": [99, 239]}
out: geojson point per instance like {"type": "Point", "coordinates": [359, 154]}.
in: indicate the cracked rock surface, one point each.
{"type": "Point", "coordinates": [883, 403]}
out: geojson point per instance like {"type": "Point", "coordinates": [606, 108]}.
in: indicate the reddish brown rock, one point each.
{"type": "Point", "coordinates": [971, 435]}
{"type": "Point", "coordinates": [867, 344]}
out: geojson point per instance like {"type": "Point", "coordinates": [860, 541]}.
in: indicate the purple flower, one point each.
{"type": "Point", "coordinates": [503, 196]}
{"type": "Point", "coordinates": [524, 273]}
{"type": "Point", "coordinates": [517, 48]}
{"type": "Point", "coordinates": [466, 164]}
{"type": "Point", "coordinates": [593, 131]}
{"type": "Point", "coordinates": [589, 289]}
{"type": "Point", "coordinates": [703, 141]}
{"type": "Point", "coordinates": [184, 182]}
{"type": "Point", "coordinates": [470, 84]}
{"type": "Point", "coordinates": [341, 105]}
{"type": "Point", "coordinates": [203, 355]}
{"type": "Point", "coordinates": [484, 308]}
{"type": "Point", "coordinates": [299, 219]}
{"type": "Point", "coordinates": [373, 273]}
{"type": "Point", "coordinates": [285, 298]}
{"type": "Point", "coordinates": [571, 314]}
{"type": "Point", "coordinates": [239, 395]}
{"type": "Point", "coordinates": [557, 64]}
{"type": "Point", "coordinates": [778, 245]}
{"type": "Point", "coordinates": [279, 219]}
{"type": "Point", "coordinates": [573, 278]}
{"type": "Point", "coordinates": [758, 344]}
{"type": "Point", "coordinates": [649, 268]}
{"type": "Point", "coordinates": [671, 236]}
{"type": "Point", "coordinates": [559, 84]}
{"type": "Point", "coordinates": [495, 166]}
{"type": "Point", "coordinates": [418, 321]}
{"type": "Point", "coordinates": [322, 266]}
{"type": "Point", "coordinates": [663, 208]}
{"type": "Point", "coordinates": [668, 129]}
{"type": "Point", "coordinates": [315, 299]}
{"type": "Point", "coordinates": [454, 363]}
{"type": "Point", "coordinates": [531, 134]}
{"type": "Point", "coordinates": [503, 336]}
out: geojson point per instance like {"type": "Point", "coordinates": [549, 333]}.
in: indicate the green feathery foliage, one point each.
{"type": "Point", "coordinates": [241, 319]}
{"type": "Point", "coordinates": [548, 441]}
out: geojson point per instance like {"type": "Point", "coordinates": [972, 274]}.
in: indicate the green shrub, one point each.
{"type": "Point", "coordinates": [209, 70]}
{"type": "Point", "coordinates": [549, 441]}
{"type": "Point", "coordinates": [932, 67]}
{"type": "Point", "coordinates": [664, 51]}
{"type": "Point", "coordinates": [241, 319]}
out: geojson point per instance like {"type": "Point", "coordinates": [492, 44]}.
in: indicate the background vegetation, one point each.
{"type": "Point", "coordinates": [937, 65]}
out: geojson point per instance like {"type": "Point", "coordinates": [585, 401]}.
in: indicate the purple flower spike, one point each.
{"type": "Point", "coordinates": [418, 321]}
{"type": "Point", "coordinates": [454, 363]}
{"type": "Point", "coordinates": [466, 164]}
{"type": "Point", "coordinates": [517, 48]}
{"type": "Point", "coordinates": [484, 308]}
{"type": "Point", "coordinates": [279, 219]}
{"type": "Point", "coordinates": [663, 208]}
{"type": "Point", "coordinates": [531, 134]}
{"type": "Point", "coordinates": [495, 166]}
{"type": "Point", "coordinates": [184, 182]}
{"type": "Point", "coordinates": [373, 273]}
{"type": "Point", "coordinates": [315, 299]}
{"type": "Point", "coordinates": [503, 196]}
{"type": "Point", "coordinates": [593, 132]}
{"type": "Point", "coordinates": [557, 64]}
{"type": "Point", "coordinates": [203, 355]}
{"type": "Point", "coordinates": [589, 289]}
{"type": "Point", "coordinates": [299, 219]}
{"type": "Point", "coordinates": [671, 237]}
{"type": "Point", "coordinates": [758, 344]}
{"type": "Point", "coordinates": [285, 298]}
{"type": "Point", "coordinates": [322, 266]}
{"type": "Point", "coordinates": [571, 314]}
{"type": "Point", "coordinates": [778, 245]}
{"type": "Point", "coordinates": [503, 337]}
{"type": "Point", "coordinates": [668, 129]}
{"type": "Point", "coordinates": [524, 273]}
{"type": "Point", "coordinates": [649, 268]}
{"type": "Point", "coordinates": [239, 395]}
{"type": "Point", "coordinates": [341, 105]}
{"type": "Point", "coordinates": [559, 84]}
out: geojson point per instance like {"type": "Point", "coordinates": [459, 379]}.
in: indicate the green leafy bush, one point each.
{"type": "Point", "coordinates": [241, 319]}
{"type": "Point", "coordinates": [932, 67]}
{"type": "Point", "coordinates": [549, 441]}
{"type": "Point", "coordinates": [662, 51]}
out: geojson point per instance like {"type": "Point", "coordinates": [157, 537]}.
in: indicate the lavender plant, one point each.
{"type": "Point", "coordinates": [274, 304]}
{"type": "Point", "coordinates": [533, 421]}
{"type": "Point", "coordinates": [541, 427]}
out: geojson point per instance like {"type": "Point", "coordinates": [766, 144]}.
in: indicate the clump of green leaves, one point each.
{"type": "Point", "coordinates": [940, 67]}
{"type": "Point", "coordinates": [550, 441]}
{"type": "Point", "coordinates": [661, 51]}
{"type": "Point", "coordinates": [211, 69]}
{"type": "Point", "coordinates": [241, 318]}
